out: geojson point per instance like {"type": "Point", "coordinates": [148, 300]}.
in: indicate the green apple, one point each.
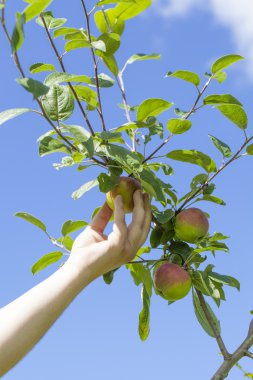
{"type": "Point", "coordinates": [125, 187]}
{"type": "Point", "coordinates": [191, 225]}
{"type": "Point", "coordinates": [172, 282]}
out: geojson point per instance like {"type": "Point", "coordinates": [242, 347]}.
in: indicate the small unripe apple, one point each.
{"type": "Point", "coordinates": [191, 225]}
{"type": "Point", "coordinates": [125, 187]}
{"type": "Point", "coordinates": [172, 282]}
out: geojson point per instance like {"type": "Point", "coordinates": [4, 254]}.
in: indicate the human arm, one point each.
{"type": "Point", "coordinates": [24, 321]}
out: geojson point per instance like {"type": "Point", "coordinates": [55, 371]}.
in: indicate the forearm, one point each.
{"type": "Point", "coordinates": [24, 321]}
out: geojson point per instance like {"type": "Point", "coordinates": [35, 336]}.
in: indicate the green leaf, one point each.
{"type": "Point", "coordinates": [152, 107]}
{"type": "Point", "coordinates": [225, 280]}
{"type": "Point", "coordinates": [221, 99]}
{"type": "Point", "coordinates": [84, 188]}
{"type": "Point", "coordinates": [214, 246]}
{"type": "Point", "coordinates": [67, 242]}
{"type": "Point", "coordinates": [109, 23]}
{"type": "Point", "coordinates": [50, 21]}
{"type": "Point", "coordinates": [105, 2]}
{"type": "Point", "coordinates": [235, 113]}
{"type": "Point", "coordinates": [129, 160]}
{"type": "Point", "coordinates": [181, 113]}
{"type": "Point", "coordinates": [211, 198]}
{"type": "Point", "coordinates": [87, 95]}
{"type": "Point", "coordinates": [18, 36]}
{"type": "Point", "coordinates": [202, 318]}
{"type": "Point", "coordinates": [249, 148]}
{"type": "Point", "coordinates": [71, 226]}
{"type": "Point", "coordinates": [82, 136]}
{"type": "Point", "coordinates": [220, 76]}
{"type": "Point", "coordinates": [142, 57]}
{"type": "Point", "coordinates": [76, 44]}
{"type": "Point", "coordinates": [152, 184]}
{"type": "Point", "coordinates": [41, 67]}
{"type": "Point", "coordinates": [111, 42]}
{"type": "Point", "coordinates": [33, 86]}
{"type": "Point", "coordinates": [46, 260]}
{"type": "Point", "coordinates": [57, 78]}
{"type": "Point", "coordinates": [144, 316]}
{"type": "Point", "coordinates": [111, 64]}
{"type": "Point", "coordinates": [35, 8]}
{"type": "Point", "coordinates": [125, 11]}
{"type": "Point", "coordinates": [141, 274]}
{"type": "Point", "coordinates": [64, 31]}
{"type": "Point", "coordinates": [13, 112]}
{"type": "Point", "coordinates": [49, 145]}
{"type": "Point", "coordinates": [200, 281]}
{"type": "Point", "coordinates": [106, 182]}
{"type": "Point", "coordinates": [108, 277]}
{"type": "Point", "coordinates": [225, 61]}
{"type": "Point", "coordinates": [178, 126]}
{"type": "Point", "coordinates": [217, 236]}
{"type": "Point", "coordinates": [198, 180]}
{"type": "Point", "coordinates": [187, 76]}
{"type": "Point", "coordinates": [104, 80]}
{"type": "Point", "coordinates": [221, 146]}
{"type": "Point", "coordinates": [58, 103]}
{"type": "Point", "coordinates": [31, 219]}
{"type": "Point", "coordinates": [193, 157]}
{"type": "Point", "coordinates": [164, 216]}
{"type": "Point", "coordinates": [155, 237]}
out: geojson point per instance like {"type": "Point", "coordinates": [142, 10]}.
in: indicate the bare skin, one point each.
{"type": "Point", "coordinates": [24, 321]}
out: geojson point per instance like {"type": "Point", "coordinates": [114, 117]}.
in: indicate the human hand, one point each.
{"type": "Point", "coordinates": [99, 253]}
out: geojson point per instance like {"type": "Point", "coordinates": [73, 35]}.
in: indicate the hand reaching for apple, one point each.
{"type": "Point", "coordinates": [100, 253]}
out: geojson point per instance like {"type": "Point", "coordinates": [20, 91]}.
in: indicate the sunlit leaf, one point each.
{"type": "Point", "coordinates": [13, 112]}
{"type": "Point", "coordinates": [221, 146]}
{"type": "Point", "coordinates": [31, 219]}
{"type": "Point", "coordinates": [178, 126]}
{"type": "Point", "coordinates": [225, 61]}
{"type": "Point", "coordinates": [41, 67]}
{"type": "Point", "coordinates": [71, 226]}
{"type": "Point", "coordinates": [35, 87]}
{"type": "Point", "coordinates": [152, 107]}
{"type": "Point", "coordinates": [84, 188]}
{"type": "Point", "coordinates": [193, 157]}
{"type": "Point", "coordinates": [202, 318]}
{"type": "Point", "coordinates": [58, 103]}
{"type": "Point", "coordinates": [46, 260]}
{"type": "Point", "coordinates": [187, 76]}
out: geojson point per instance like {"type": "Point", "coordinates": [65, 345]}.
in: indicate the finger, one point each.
{"type": "Point", "coordinates": [135, 227]}
{"type": "Point", "coordinates": [101, 219]}
{"type": "Point", "coordinates": [118, 235]}
{"type": "Point", "coordinates": [147, 219]}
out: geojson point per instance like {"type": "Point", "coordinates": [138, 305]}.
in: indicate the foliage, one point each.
{"type": "Point", "coordinates": [118, 150]}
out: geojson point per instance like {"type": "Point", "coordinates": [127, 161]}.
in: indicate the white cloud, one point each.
{"type": "Point", "coordinates": [176, 7]}
{"type": "Point", "coordinates": [233, 14]}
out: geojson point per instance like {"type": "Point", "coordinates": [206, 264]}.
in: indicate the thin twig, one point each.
{"type": "Point", "coordinates": [223, 166]}
{"type": "Point", "coordinates": [100, 111]}
{"type": "Point", "coordinates": [121, 85]}
{"type": "Point", "coordinates": [64, 70]}
{"type": "Point", "coordinates": [20, 69]}
{"type": "Point", "coordinates": [192, 110]}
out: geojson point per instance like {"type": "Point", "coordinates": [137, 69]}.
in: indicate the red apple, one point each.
{"type": "Point", "coordinates": [125, 187]}
{"type": "Point", "coordinates": [171, 281]}
{"type": "Point", "coordinates": [191, 225]}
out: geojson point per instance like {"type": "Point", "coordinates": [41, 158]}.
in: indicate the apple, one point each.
{"type": "Point", "coordinates": [191, 225]}
{"type": "Point", "coordinates": [125, 187]}
{"type": "Point", "coordinates": [172, 282]}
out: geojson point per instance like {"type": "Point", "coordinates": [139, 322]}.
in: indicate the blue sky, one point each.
{"type": "Point", "coordinates": [97, 336]}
